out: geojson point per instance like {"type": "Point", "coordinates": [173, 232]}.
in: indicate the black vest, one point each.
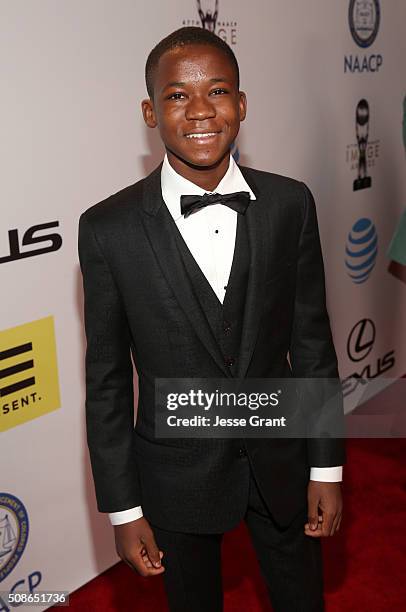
{"type": "Point", "coordinates": [225, 319]}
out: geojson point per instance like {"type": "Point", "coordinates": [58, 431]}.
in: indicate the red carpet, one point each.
{"type": "Point", "coordinates": [365, 564]}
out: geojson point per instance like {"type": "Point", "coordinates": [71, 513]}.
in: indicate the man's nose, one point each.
{"type": "Point", "coordinates": [200, 107]}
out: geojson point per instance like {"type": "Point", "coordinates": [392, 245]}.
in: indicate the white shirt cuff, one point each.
{"type": "Point", "coordinates": [322, 474]}
{"type": "Point", "coordinates": [327, 474]}
{"type": "Point", "coordinates": [125, 516]}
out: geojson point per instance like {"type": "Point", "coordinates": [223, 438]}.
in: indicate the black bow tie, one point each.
{"type": "Point", "coordinates": [237, 201]}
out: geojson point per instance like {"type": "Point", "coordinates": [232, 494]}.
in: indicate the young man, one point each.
{"type": "Point", "coordinates": [194, 288]}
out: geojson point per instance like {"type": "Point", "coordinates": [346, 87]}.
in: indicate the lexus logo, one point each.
{"type": "Point", "coordinates": [361, 340]}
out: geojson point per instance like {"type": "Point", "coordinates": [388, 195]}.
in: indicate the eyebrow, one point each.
{"type": "Point", "coordinates": [183, 83]}
{"type": "Point", "coordinates": [175, 84]}
{"type": "Point", "coordinates": [219, 80]}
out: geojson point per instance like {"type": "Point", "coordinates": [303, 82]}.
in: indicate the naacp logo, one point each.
{"type": "Point", "coordinates": [13, 532]}
{"type": "Point", "coordinates": [364, 17]}
{"type": "Point", "coordinates": [207, 17]}
{"type": "Point", "coordinates": [361, 250]}
{"type": "Point", "coordinates": [362, 154]}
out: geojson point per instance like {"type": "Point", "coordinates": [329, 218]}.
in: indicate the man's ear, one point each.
{"type": "Point", "coordinates": [243, 105]}
{"type": "Point", "coordinates": [148, 113]}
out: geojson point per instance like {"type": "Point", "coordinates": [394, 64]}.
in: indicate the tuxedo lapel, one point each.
{"type": "Point", "coordinates": [257, 226]}
{"type": "Point", "coordinates": [161, 231]}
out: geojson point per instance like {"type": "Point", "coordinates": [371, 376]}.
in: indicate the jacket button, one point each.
{"type": "Point", "coordinates": [227, 326]}
{"type": "Point", "coordinates": [229, 361]}
{"type": "Point", "coordinates": [242, 452]}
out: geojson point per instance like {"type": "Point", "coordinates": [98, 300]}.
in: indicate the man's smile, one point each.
{"type": "Point", "coordinates": [202, 136]}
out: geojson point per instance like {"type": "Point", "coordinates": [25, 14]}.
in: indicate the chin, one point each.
{"type": "Point", "coordinates": [204, 159]}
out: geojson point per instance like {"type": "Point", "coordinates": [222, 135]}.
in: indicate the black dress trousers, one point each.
{"type": "Point", "coordinates": [290, 563]}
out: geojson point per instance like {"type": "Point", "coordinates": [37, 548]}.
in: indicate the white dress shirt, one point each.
{"type": "Point", "coordinates": [210, 236]}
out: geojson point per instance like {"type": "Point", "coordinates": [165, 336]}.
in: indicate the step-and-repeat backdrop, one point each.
{"type": "Point", "coordinates": [326, 85]}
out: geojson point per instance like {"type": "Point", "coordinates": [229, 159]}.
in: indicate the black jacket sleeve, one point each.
{"type": "Point", "coordinates": [109, 381]}
{"type": "Point", "coordinates": [312, 352]}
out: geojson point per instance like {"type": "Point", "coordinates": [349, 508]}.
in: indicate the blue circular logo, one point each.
{"type": "Point", "coordinates": [364, 17]}
{"type": "Point", "coordinates": [13, 532]}
{"type": "Point", "coordinates": [361, 250]}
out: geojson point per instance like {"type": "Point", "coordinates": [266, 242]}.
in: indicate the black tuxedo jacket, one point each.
{"type": "Point", "coordinates": [139, 302]}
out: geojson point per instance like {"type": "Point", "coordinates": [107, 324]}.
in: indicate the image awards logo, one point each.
{"type": "Point", "coordinates": [362, 154]}
{"type": "Point", "coordinates": [208, 15]}
{"type": "Point", "coordinates": [361, 250]}
{"type": "Point", "coordinates": [364, 18]}
{"type": "Point", "coordinates": [13, 532]}
{"type": "Point", "coordinates": [361, 129]}
{"type": "Point", "coordinates": [29, 386]}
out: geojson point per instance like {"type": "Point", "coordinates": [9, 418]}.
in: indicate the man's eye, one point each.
{"type": "Point", "coordinates": [175, 96]}
{"type": "Point", "coordinates": [219, 90]}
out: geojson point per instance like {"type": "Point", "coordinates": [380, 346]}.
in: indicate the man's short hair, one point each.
{"type": "Point", "coordinates": [182, 38]}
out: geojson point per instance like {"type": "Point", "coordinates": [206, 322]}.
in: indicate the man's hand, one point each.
{"type": "Point", "coordinates": [325, 507]}
{"type": "Point", "coordinates": [136, 546]}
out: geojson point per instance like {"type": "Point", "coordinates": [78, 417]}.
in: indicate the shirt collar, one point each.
{"type": "Point", "coordinates": [174, 185]}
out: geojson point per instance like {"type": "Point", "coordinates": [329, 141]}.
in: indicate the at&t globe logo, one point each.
{"type": "Point", "coordinates": [361, 250]}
